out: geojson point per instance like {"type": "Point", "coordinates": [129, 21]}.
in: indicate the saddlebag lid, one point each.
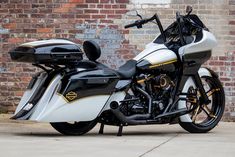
{"type": "Point", "coordinates": [52, 51]}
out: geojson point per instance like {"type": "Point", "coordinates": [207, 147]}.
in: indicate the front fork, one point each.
{"type": "Point", "coordinates": [204, 98]}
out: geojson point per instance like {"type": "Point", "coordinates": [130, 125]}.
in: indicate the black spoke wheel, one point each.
{"type": "Point", "coordinates": [76, 128]}
{"type": "Point", "coordinates": [206, 117]}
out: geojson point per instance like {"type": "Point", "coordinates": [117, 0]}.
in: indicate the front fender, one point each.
{"type": "Point", "coordinates": [206, 72]}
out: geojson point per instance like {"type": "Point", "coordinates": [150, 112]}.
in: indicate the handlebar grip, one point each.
{"type": "Point", "coordinates": [137, 23]}
{"type": "Point", "coordinates": [130, 25]}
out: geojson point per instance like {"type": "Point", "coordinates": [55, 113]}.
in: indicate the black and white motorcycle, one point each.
{"type": "Point", "coordinates": [165, 83]}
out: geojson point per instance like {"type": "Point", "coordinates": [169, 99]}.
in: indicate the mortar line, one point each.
{"type": "Point", "coordinates": [150, 150]}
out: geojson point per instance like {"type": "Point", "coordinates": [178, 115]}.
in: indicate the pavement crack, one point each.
{"type": "Point", "coordinates": [154, 148]}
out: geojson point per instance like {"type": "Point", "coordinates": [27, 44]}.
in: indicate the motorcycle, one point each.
{"type": "Point", "coordinates": [164, 84]}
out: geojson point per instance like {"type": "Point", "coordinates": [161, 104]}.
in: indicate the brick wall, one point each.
{"type": "Point", "coordinates": [103, 21]}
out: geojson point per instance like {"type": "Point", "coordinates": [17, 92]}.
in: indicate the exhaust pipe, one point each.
{"type": "Point", "coordinates": [136, 119]}
{"type": "Point", "coordinates": [130, 120]}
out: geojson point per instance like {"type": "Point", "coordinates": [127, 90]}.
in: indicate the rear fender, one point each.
{"type": "Point", "coordinates": [32, 87]}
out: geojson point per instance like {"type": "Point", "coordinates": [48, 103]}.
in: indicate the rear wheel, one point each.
{"type": "Point", "coordinates": [206, 117]}
{"type": "Point", "coordinates": [76, 128]}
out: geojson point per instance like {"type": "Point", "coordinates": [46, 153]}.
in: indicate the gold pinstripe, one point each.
{"type": "Point", "coordinates": [163, 63]}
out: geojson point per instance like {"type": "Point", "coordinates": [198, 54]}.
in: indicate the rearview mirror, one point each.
{"type": "Point", "coordinates": [189, 9]}
{"type": "Point", "coordinates": [134, 13]}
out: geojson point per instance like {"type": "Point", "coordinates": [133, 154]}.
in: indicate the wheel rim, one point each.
{"type": "Point", "coordinates": [205, 115]}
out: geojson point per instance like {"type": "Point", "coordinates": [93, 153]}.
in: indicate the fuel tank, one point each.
{"type": "Point", "coordinates": [156, 56]}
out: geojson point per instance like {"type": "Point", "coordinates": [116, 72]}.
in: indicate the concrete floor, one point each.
{"type": "Point", "coordinates": [23, 139]}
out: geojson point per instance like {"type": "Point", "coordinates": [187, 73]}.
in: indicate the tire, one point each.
{"type": "Point", "coordinates": [77, 128]}
{"type": "Point", "coordinates": [217, 109]}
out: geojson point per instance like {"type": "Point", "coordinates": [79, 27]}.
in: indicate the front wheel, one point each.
{"type": "Point", "coordinates": [76, 128]}
{"type": "Point", "coordinates": [205, 117]}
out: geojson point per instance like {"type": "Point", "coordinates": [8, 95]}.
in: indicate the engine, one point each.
{"type": "Point", "coordinates": [158, 87]}
{"type": "Point", "coordinates": [161, 89]}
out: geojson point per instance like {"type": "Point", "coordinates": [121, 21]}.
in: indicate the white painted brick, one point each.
{"type": "Point", "coordinates": [151, 1]}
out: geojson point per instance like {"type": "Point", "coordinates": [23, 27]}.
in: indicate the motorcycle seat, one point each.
{"type": "Point", "coordinates": [127, 70]}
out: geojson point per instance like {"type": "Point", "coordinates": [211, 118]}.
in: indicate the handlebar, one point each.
{"type": "Point", "coordinates": [179, 19]}
{"type": "Point", "coordinates": [138, 23]}
{"type": "Point", "coordinates": [130, 25]}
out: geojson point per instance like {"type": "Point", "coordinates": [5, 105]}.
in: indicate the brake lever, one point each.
{"type": "Point", "coordinates": [139, 26]}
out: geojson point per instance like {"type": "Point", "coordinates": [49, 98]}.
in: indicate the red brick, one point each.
{"type": "Point", "coordinates": [223, 58]}
{"type": "Point", "coordinates": [107, 11]}
{"type": "Point", "coordinates": [92, 6]}
{"type": "Point", "coordinates": [16, 1]}
{"type": "Point", "coordinates": [75, 31]}
{"type": "Point", "coordinates": [68, 15]}
{"type": "Point", "coordinates": [15, 40]}
{"type": "Point", "coordinates": [104, 1]}
{"type": "Point", "coordinates": [98, 16]}
{"type": "Point", "coordinates": [3, 10]}
{"type": "Point", "coordinates": [76, 1]}
{"type": "Point", "coordinates": [82, 6]}
{"type": "Point", "coordinates": [116, 6]}
{"type": "Point", "coordinates": [231, 2]}
{"type": "Point", "coordinates": [23, 5]}
{"type": "Point", "coordinates": [122, 1]}
{"type": "Point", "coordinates": [15, 11]}
{"type": "Point", "coordinates": [122, 6]}
{"type": "Point", "coordinates": [231, 12]}
{"type": "Point", "coordinates": [85, 16]}
{"type": "Point", "coordinates": [38, 5]}
{"type": "Point", "coordinates": [106, 21]}
{"type": "Point", "coordinates": [29, 31]}
{"type": "Point", "coordinates": [9, 25]}
{"type": "Point", "coordinates": [91, 20]}
{"type": "Point", "coordinates": [38, 15]}
{"type": "Point", "coordinates": [113, 26]}
{"type": "Point", "coordinates": [232, 32]}
{"type": "Point", "coordinates": [19, 93]}
{"type": "Point", "coordinates": [115, 16]}
{"type": "Point", "coordinates": [100, 6]}
{"type": "Point", "coordinates": [232, 22]}
{"type": "Point", "coordinates": [126, 31]}
{"type": "Point", "coordinates": [120, 11]}
{"type": "Point", "coordinates": [44, 30]}
{"type": "Point", "coordinates": [92, 1]}
{"type": "Point", "coordinates": [90, 11]}
{"type": "Point", "coordinates": [108, 6]}
{"type": "Point", "coordinates": [68, 5]}
{"type": "Point", "coordinates": [23, 15]}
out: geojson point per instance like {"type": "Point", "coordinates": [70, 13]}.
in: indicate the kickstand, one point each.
{"type": "Point", "coordinates": [120, 130]}
{"type": "Point", "coordinates": [101, 131]}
